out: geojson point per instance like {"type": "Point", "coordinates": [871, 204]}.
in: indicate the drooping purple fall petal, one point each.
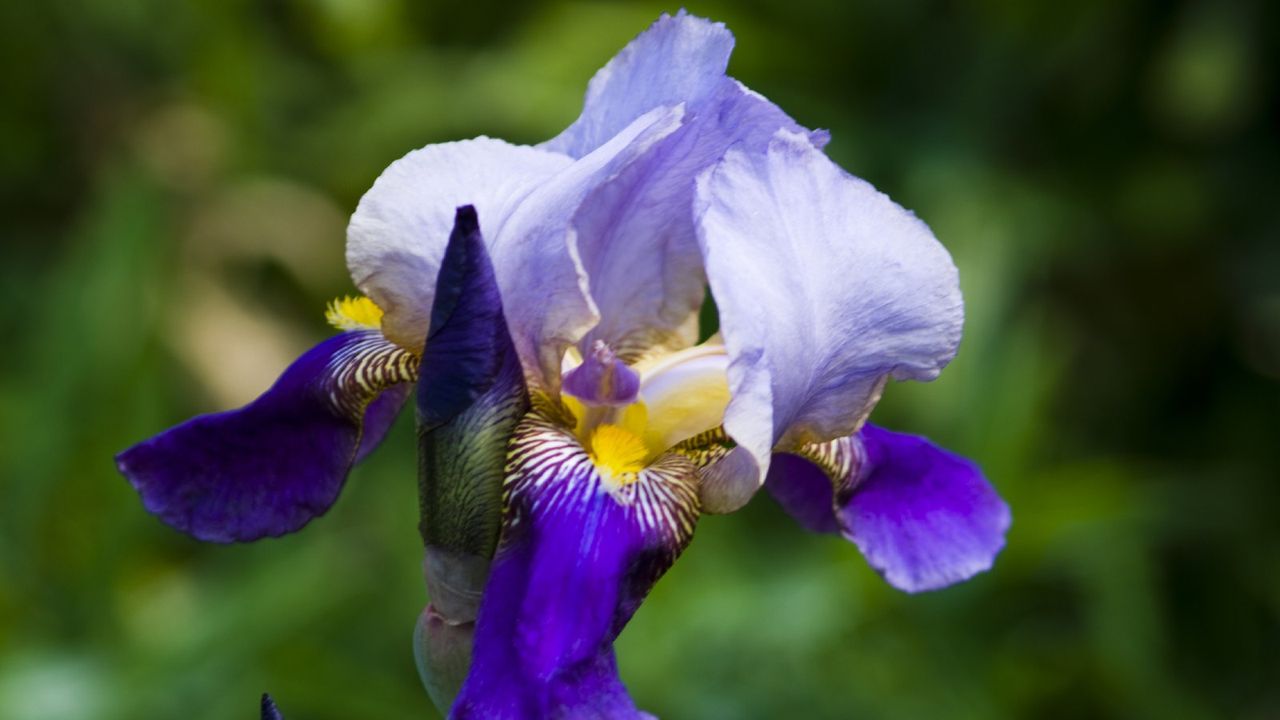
{"type": "Point", "coordinates": [922, 516]}
{"type": "Point", "coordinates": [804, 491]}
{"type": "Point", "coordinates": [578, 555]}
{"type": "Point", "coordinates": [270, 467]}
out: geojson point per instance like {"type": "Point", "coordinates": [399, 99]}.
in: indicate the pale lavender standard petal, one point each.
{"type": "Point", "coordinates": [922, 516]}
{"type": "Point", "coordinates": [826, 289]}
{"type": "Point", "coordinates": [676, 60]}
{"type": "Point", "coordinates": [635, 232]}
{"type": "Point", "coordinates": [270, 467]}
{"type": "Point", "coordinates": [397, 235]}
{"type": "Point", "coordinates": [576, 559]}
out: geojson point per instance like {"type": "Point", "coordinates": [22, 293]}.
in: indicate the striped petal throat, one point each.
{"type": "Point", "coordinates": [599, 499]}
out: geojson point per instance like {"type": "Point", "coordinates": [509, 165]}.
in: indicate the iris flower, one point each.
{"type": "Point", "coordinates": [542, 304]}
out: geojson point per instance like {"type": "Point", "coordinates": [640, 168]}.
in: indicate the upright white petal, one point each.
{"type": "Point", "coordinates": [636, 233]}
{"type": "Point", "coordinates": [398, 233]}
{"type": "Point", "coordinates": [826, 288]}
{"type": "Point", "coordinates": [540, 271]}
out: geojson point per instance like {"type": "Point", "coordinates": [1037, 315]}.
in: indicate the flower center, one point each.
{"type": "Point", "coordinates": [617, 453]}
{"type": "Point", "coordinates": [680, 395]}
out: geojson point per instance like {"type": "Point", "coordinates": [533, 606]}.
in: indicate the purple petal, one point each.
{"type": "Point", "coordinates": [591, 691]}
{"type": "Point", "coordinates": [577, 557]}
{"type": "Point", "coordinates": [922, 516]}
{"type": "Point", "coordinates": [273, 465]}
{"type": "Point", "coordinates": [826, 289]}
{"type": "Point", "coordinates": [804, 491]}
{"type": "Point", "coordinates": [269, 709]}
{"type": "Point", "coordinates": [379, 416]}
{"type": "Point", "coordinates": [521, 665]}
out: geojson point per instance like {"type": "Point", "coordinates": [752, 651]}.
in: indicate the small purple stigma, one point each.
{"type": "Point", "coordinates": [602, 379]}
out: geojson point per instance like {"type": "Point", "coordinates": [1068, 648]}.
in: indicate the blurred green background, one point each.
{"type": "Point", "coordinates": [176, 182]}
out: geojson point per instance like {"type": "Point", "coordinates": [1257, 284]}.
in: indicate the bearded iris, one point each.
{"type": "Point", "coordinates": [541, 303]}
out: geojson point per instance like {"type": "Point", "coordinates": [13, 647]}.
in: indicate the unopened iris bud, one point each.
{"type": "Point", "coordinates": [471, 394]}
{"type": "Point", "coordinates": [442, 650]}
{"type": "Point", "coordinates": [269, 709]}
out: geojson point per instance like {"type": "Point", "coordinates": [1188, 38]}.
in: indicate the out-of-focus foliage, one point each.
{"type": "Point", "coordinates": [176, 179]}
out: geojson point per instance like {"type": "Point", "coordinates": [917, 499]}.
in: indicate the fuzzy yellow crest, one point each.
{"type": "Point", "coordinates": [354, 313]}
{"type": "Point", "coordinates": [618, 452]}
